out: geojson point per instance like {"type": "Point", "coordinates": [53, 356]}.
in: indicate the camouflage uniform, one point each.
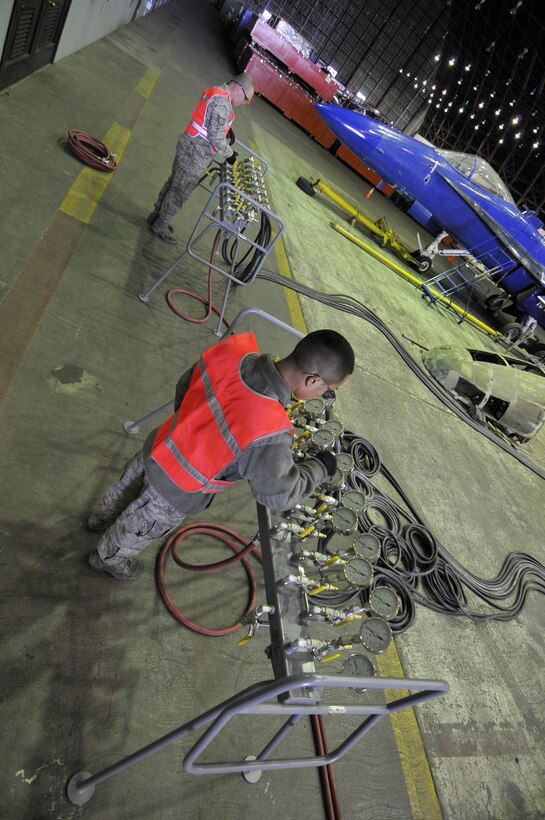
{"type": "Point", "coordinates": [132, 514]}
{"type": "Point", "coordinates": [193, 156]}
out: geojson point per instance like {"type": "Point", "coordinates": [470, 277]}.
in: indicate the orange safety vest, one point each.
{"type": "Point", "coordinates": [197, 127]}
{"type": "Point", "coordinates": [220, 416]}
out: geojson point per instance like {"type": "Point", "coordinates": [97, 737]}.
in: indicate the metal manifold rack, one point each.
{"type": "Point", "coordinates": [244, 185]}
{"type": "Point", "coordinates": [236, 230]}
{"type": "Point", "coordinates": [313, 592]}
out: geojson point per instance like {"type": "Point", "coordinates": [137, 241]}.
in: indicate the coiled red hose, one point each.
{"type": "Point", "coordinates": [91, 151]}
{"type": "Point", "coordinates": [225, 536]}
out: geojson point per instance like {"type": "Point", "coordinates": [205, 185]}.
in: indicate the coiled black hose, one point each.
{"type": "Point", "coordinates": [419, 567]}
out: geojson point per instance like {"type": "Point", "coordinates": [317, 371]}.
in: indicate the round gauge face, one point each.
{"type": "Point", "coordinates": [334, 426]}
{"type": "Point", "coordinates": [354, 500]}
{"type": "Point", "coordinates": [344, 520]}
{"type": "Point", "coordinates": [322, 438]}
{"type": "Point", "coordinates": [360, 666]}
{"type": "Point", "coordinates": [358, 572]}
{"type": "Point", "coordinates": [345, 462]}
{"type": "Point", "coordinates": [384, 601]}
{"type": "Point", "coordinates": [375, 635]}
{"type": "Point", "coordinates": [336, 481]}
{"type": "Point", "coordinates": [314, 407]}
{"type": "Point", "coordinates": [366, 545]}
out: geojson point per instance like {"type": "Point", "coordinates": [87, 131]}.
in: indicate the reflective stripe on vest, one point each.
{"type": "Point", "coordinates": [197, 125]}
{"type": "Point", "coordinates": [208, 433]}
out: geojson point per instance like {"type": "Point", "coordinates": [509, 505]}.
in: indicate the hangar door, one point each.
{"type": "Point", "coordinates": [32, 38]}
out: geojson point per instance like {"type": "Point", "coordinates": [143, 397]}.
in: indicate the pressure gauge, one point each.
{"type": "Point", "coordinates": [359, 666]}
{"type": "Point", "coordinates": [344, 521]}
{"type": "Point", "coordinates": [375, 635]}
{"type": "Point", "coordinates": [384, 601]}
{"type": "Point", "coordinates": [322, 438]}
{"type": "Point", "coordinates": [336, 481]}
{"type": "Point", "coordinates": [367, 545]}
{"type": "Point", "coordinates": [345, 462]}
{"type": "Point", "coordinates": [314, 408]}
{"type": "Point", "coordinates": [334, 426]}
{"type": "Point", "coordinates": [354, 500]}
{"type": "Point", "coordinates": [358, 572]}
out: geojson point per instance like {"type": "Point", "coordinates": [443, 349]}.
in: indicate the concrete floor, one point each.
{"type": "Point", "coordinates": [93, 669]}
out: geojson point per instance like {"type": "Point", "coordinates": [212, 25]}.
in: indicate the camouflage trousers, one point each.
{"type": "Point", "coordinates": [134, 514]}
{"type": "Point", "coordinates": [193, 156]}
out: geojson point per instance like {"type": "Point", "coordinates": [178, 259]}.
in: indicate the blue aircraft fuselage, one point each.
{"type": "Point", "coordinates": [506, 240]}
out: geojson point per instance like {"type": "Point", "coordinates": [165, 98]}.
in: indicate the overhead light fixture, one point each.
{"type": "Point", "coordinates": [515, 120]}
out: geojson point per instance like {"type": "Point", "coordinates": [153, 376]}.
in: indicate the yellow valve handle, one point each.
{"type": "Point", "coordinates": [334, 560]}
{"type": "Point", "coordinates": [244, 640]}
{"type": "Point", "coordinates": [330, 658]}
{"type": "Point", "coordinates": [307, 532]}
{"type": "Point", "coordinates": [317, 590]}
{"type": "Point", "coordinates": [347, 620]}
{"type": "Point", "coordinates": [295, 406]}
{"type": "Point", "coordinates": [321, 509]}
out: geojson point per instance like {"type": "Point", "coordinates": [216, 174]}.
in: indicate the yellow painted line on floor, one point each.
{"type": "Point", "coordinates": [147, 83]}
{"type": "Point", "coordinates": [414, 761]}
{"type": "Point", "coordinates": [82, 198]}
{"type": "Point", "coordinates": [294, 305]}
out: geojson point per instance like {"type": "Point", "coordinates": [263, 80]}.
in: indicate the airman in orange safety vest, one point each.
{"type": "Point", "coordinates": [208, 134]}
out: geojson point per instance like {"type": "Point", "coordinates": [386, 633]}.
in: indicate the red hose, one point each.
{"type": "Point", "coordinates": [207, 301]}
{"type": "Point", "coordinates": [91, 151]}
{"type": "Point", "coordinates": [225, 536]}
{"type": "Point", "coordinates": [329, 786]}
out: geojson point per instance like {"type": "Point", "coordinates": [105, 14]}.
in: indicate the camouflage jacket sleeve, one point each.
{"type": "Point", "coordinates": [275, 479]}
{"type": "Point", "coordinates": [217, 120]}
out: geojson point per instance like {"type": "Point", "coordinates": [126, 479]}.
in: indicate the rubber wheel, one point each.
{"type": "Point", "coordinates": [424, 265]}
{"type": "Point", "coordinates": [305, 186]}
{"type": "Point", "coordinates": [512, 331]}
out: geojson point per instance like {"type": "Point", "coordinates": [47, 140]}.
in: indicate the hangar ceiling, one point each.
{"type": "Point", "coordinates": [468, 75]}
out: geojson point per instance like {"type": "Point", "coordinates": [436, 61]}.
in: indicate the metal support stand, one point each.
{"type": "Point", "coordinates": [299, 692]}
{"type": "Point", "coordinates": [235, 208]}
{"type": "Point", "coordinates": [256, 700]}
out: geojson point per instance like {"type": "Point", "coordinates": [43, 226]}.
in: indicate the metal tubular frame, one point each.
{"type": "Point", "coordinates": [211, 220]}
